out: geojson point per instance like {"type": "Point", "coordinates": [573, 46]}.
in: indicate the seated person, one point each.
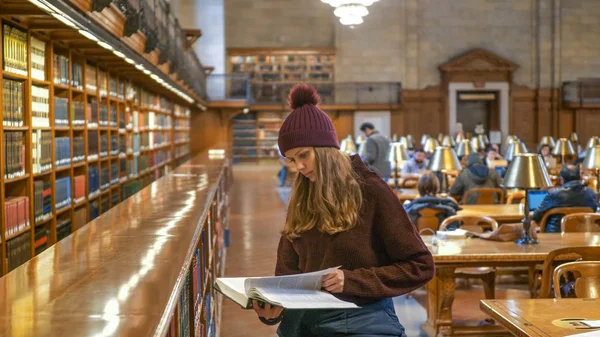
{"type": "Point", "coordinates": [572, 194]}
{"type": "Point", "coordinates": [492, 155]}
{"type": "Point", "coordinates": [546, 151]}
{"type": "Point", "coordinates": [417, 163]}
{"type": "Point", "coordinates": [476, 175]}
{"type": "Point", "coordinates": [428, 187]}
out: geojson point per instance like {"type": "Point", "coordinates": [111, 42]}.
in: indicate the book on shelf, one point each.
{"type": "Point", "coordinates": [61, 70]}
{"type": "Point", "coordinates": [63, 192]}
{"type": "Point", "coordinates": [12, 102]}
{"type": "Point", "coordinates": [79, 182]}
{"type": "Point", "coordinates": [61, 111]}
{"type": "Point", "coordinates": [90, 78]}
{"type": "Point", "coordinates": [40, 107]}
{"type": "Point", "coordinates": [63, 228]}
{"type": "Point", "coordinates": [42, 200]}
{"type": "Point", "coordinates": [93, 180]}
{"type": "Point", "coordinates": [41, 152]}
{"type": "Point", "coordinates": [62, 151]}
{"type": "Point", "coordinates": [41, 238]}
{"type": "Point", "coordinates": [14, 154]}
{"type": "Point", "coordinates": [78, 113]}
{"type": "Point", "coordinates": [301, 291]}
{"type": "Point", "coordinates": [94, 210]}
{"type": "Point", "coordinates": [18, 250]}
{"type": "Point", "coordinates": [15, 50]}
{"type": "Point", "coordinates": [77, 77]}
{"type": "Point", "coordinates": [38, 59]}
{"type": "Point", "coordinates": [79, 218]}
{"type": "Point", "coordinates": [78, 149]}
{"type": "Point", "coordinates": [16, 215]}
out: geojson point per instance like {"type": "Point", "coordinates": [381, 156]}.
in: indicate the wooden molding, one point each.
{"type": "Point", "coordinates": [208, 70]}
{"type": "Point", "coordinates": [111, 19]}
{"type": "Point", "coordinates": [84, 5]}
{"type": "Point", "coordinates": [136, 41]}
{"type": "Point", "coordinates": [479, 60]}
{"type": "Point", "coordinates": [279, 51]}
{"type": "Point", "coordinates": [191, 36]}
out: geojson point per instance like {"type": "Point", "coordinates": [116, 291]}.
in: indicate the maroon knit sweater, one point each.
{"type": "Point", "coordinates": [383, 256]}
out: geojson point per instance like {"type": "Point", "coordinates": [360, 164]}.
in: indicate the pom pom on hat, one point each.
{"type": "Point", "coordinates": [302, 94]}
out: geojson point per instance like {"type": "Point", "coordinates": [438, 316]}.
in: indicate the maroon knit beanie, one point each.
{"type": "Point", "coordinates": [307, 125]}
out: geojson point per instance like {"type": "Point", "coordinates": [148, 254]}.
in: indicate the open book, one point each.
{"type": "Point", "coordinates": [301, 291]}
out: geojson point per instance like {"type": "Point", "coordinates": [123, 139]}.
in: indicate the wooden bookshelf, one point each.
{"type": "Point", "coordinates": [255, 136]}
{"type": "Point", "coordinates": [80, 86]}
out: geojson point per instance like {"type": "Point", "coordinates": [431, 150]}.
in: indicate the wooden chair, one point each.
{"type": "Point", "coordinates": [580, 222]}
{"type": "Point", "coordinates": [562, 255]}
{"type": "Point", "coordinates": [409, 182]}
{"type": "Point", "coordinates": [515, 197]}
{"type": "Point", "coordinates": [587, 278]}
{"type": "Point", "coordinates": [485, 195]}
{"type": "Point", "coordinates": [486, 274]}
{"type": "Point", "coordinates": [561, 211]}
{"type": "Point", "coordinates": [428, 219]}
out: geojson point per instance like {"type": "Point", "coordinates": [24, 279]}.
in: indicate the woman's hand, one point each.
{"type": "Point", "coordinates": [268, 312]}
{"type": "Point", "coordinates": [334, 282]}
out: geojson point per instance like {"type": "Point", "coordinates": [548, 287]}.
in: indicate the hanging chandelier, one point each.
{"type": "Point", "coordinates": [350, 12]}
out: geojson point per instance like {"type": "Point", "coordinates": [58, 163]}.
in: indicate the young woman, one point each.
{"type": "Point", "coordinates": [342, 213]}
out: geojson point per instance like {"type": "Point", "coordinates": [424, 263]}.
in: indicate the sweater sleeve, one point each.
{"type": "Point", "coordinates": [411, 264]}
{"type": "Point", "coordinates": [287, 258]}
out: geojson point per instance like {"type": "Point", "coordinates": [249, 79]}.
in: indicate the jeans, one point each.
{"type": "Point", "coordinates": [373, 320]}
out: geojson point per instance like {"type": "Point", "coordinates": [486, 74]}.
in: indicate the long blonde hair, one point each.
{"type": "Point", "coordinates": [331, 203]}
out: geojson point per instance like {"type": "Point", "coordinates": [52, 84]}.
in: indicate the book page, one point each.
{"type": "Point", "coordinates": [233, 287]}
{"type": "Point", "coordinates": [307, 281]}
{"type": "Point", "coordinates": [300, 298]}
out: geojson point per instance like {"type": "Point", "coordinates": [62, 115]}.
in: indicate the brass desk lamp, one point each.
{"type": "Point", "coordinates": [527, 171]}
{"type": "Point", "coordinates": [444, 159]}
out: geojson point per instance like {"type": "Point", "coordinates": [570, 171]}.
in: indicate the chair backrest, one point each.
{"type": "Point", "coordinates": [586, 275]}
{"type": "Point", "coordinates": [485, 195]}
{"type": "Point", "coordinates": [561, 211]}
{"type": "Point", "coordinates": [568, 254]}
{"type": "Point", "coordinates": [471, 222]}
{"type": "Point", "coordinates": [428, 219]}
{"type": "Point", "coordinates": [409, 182]}
{"type": "Point", "coordinates": [580, 222]}
{"type": "Point", "coordinates": [515, 197]}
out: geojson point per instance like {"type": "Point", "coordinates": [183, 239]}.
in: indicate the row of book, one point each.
{"type": "Point", "coordinates": [104, 178]}
{"type": "Point", "coordinates": [42, 200]}
{"type": "Point", "coordinates": [90, 78]}
{"type": "Point", "coordinates": [93, 180]}
{"type": "Point", "coordinates": [41, 151]}
{"type": "Point", "coordinates": [15, 50]}
{"type": "Point", "coordinates": [61, 70]}
{"type": "Point", "coordinates": [78, 149]}
{"type": "Point", "coordinates": [61, 111]}
{"type": "Point", "coordinates": [14, 154]}
{"type": "Point", "coordinates": [63, 228]}
{"type": "Point", "coordinates": [40, 106]}
{"type": "Point", "coordinates": [18, 250]}
{"type": "Point", "coordinates": [78, 113]}
{"type": "Point", "coordinates": [12, 102]}
{"type": "Point", "coordinates": [62, 151]}
{"type": "Point", "coordinates": [16, 214]}
{"type": "Point", "coordinates": [41, 238]}
{"type": "Point", "coordinates": [38, 59]}
{"type": "Point", "coordinates": [77, 76]}
{"type": "Point", "coordinates": [63, 192]}
{"type": "Point", "coordinates": [79, 182]}
{"type": "Point", "coordinates": [94, 210]}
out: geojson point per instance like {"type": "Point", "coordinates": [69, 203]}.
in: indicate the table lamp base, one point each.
{"type": "Point", "coordinates": [527, 239]}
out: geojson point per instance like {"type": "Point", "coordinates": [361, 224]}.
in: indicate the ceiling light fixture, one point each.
{"type": "Point", "coordinates": [88, 35]}
{"type": "Point", "coordinates": [350, 12]}
{"type": "Point", "coordinates": [119, 54]}
{"type": "Point", "coordinates": [105, 45]}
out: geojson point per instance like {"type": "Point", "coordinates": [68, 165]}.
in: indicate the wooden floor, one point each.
{"type": "Point", "coordinates": [257, 215]}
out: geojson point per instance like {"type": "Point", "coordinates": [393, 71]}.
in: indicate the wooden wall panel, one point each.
{"type": "Point", "coordinates": [587, 121]}
{"type": "Point", "coordinates": [343, 122]}
{"type": "Point", "coordinates": [523, 116]}
{"type": "Point", "coordinates": [423, 112]}
{"type": "Point", "coordinates": [566, 122]}
{"type": "Point", "coordinates": [208, 128]}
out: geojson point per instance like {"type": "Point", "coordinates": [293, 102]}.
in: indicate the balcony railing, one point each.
{"type": "Point", "coordinates": [238, 87]}
{"type": "Point", "coordinates": [582, 93]}
{"type": "Point", "coordinates": [163, 33]}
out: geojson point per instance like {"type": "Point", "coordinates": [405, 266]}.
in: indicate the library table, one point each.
{"type": "Point", "coordinates": [453, 254]}
{"type": "Point", "coordinates": [543, 317]}
{"type": "Point", "coordinates": [405, 194]}
{"type": "Point", "coordinates": [502, 213]}
{"type": "Point", "coordinates": [121, 274]}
